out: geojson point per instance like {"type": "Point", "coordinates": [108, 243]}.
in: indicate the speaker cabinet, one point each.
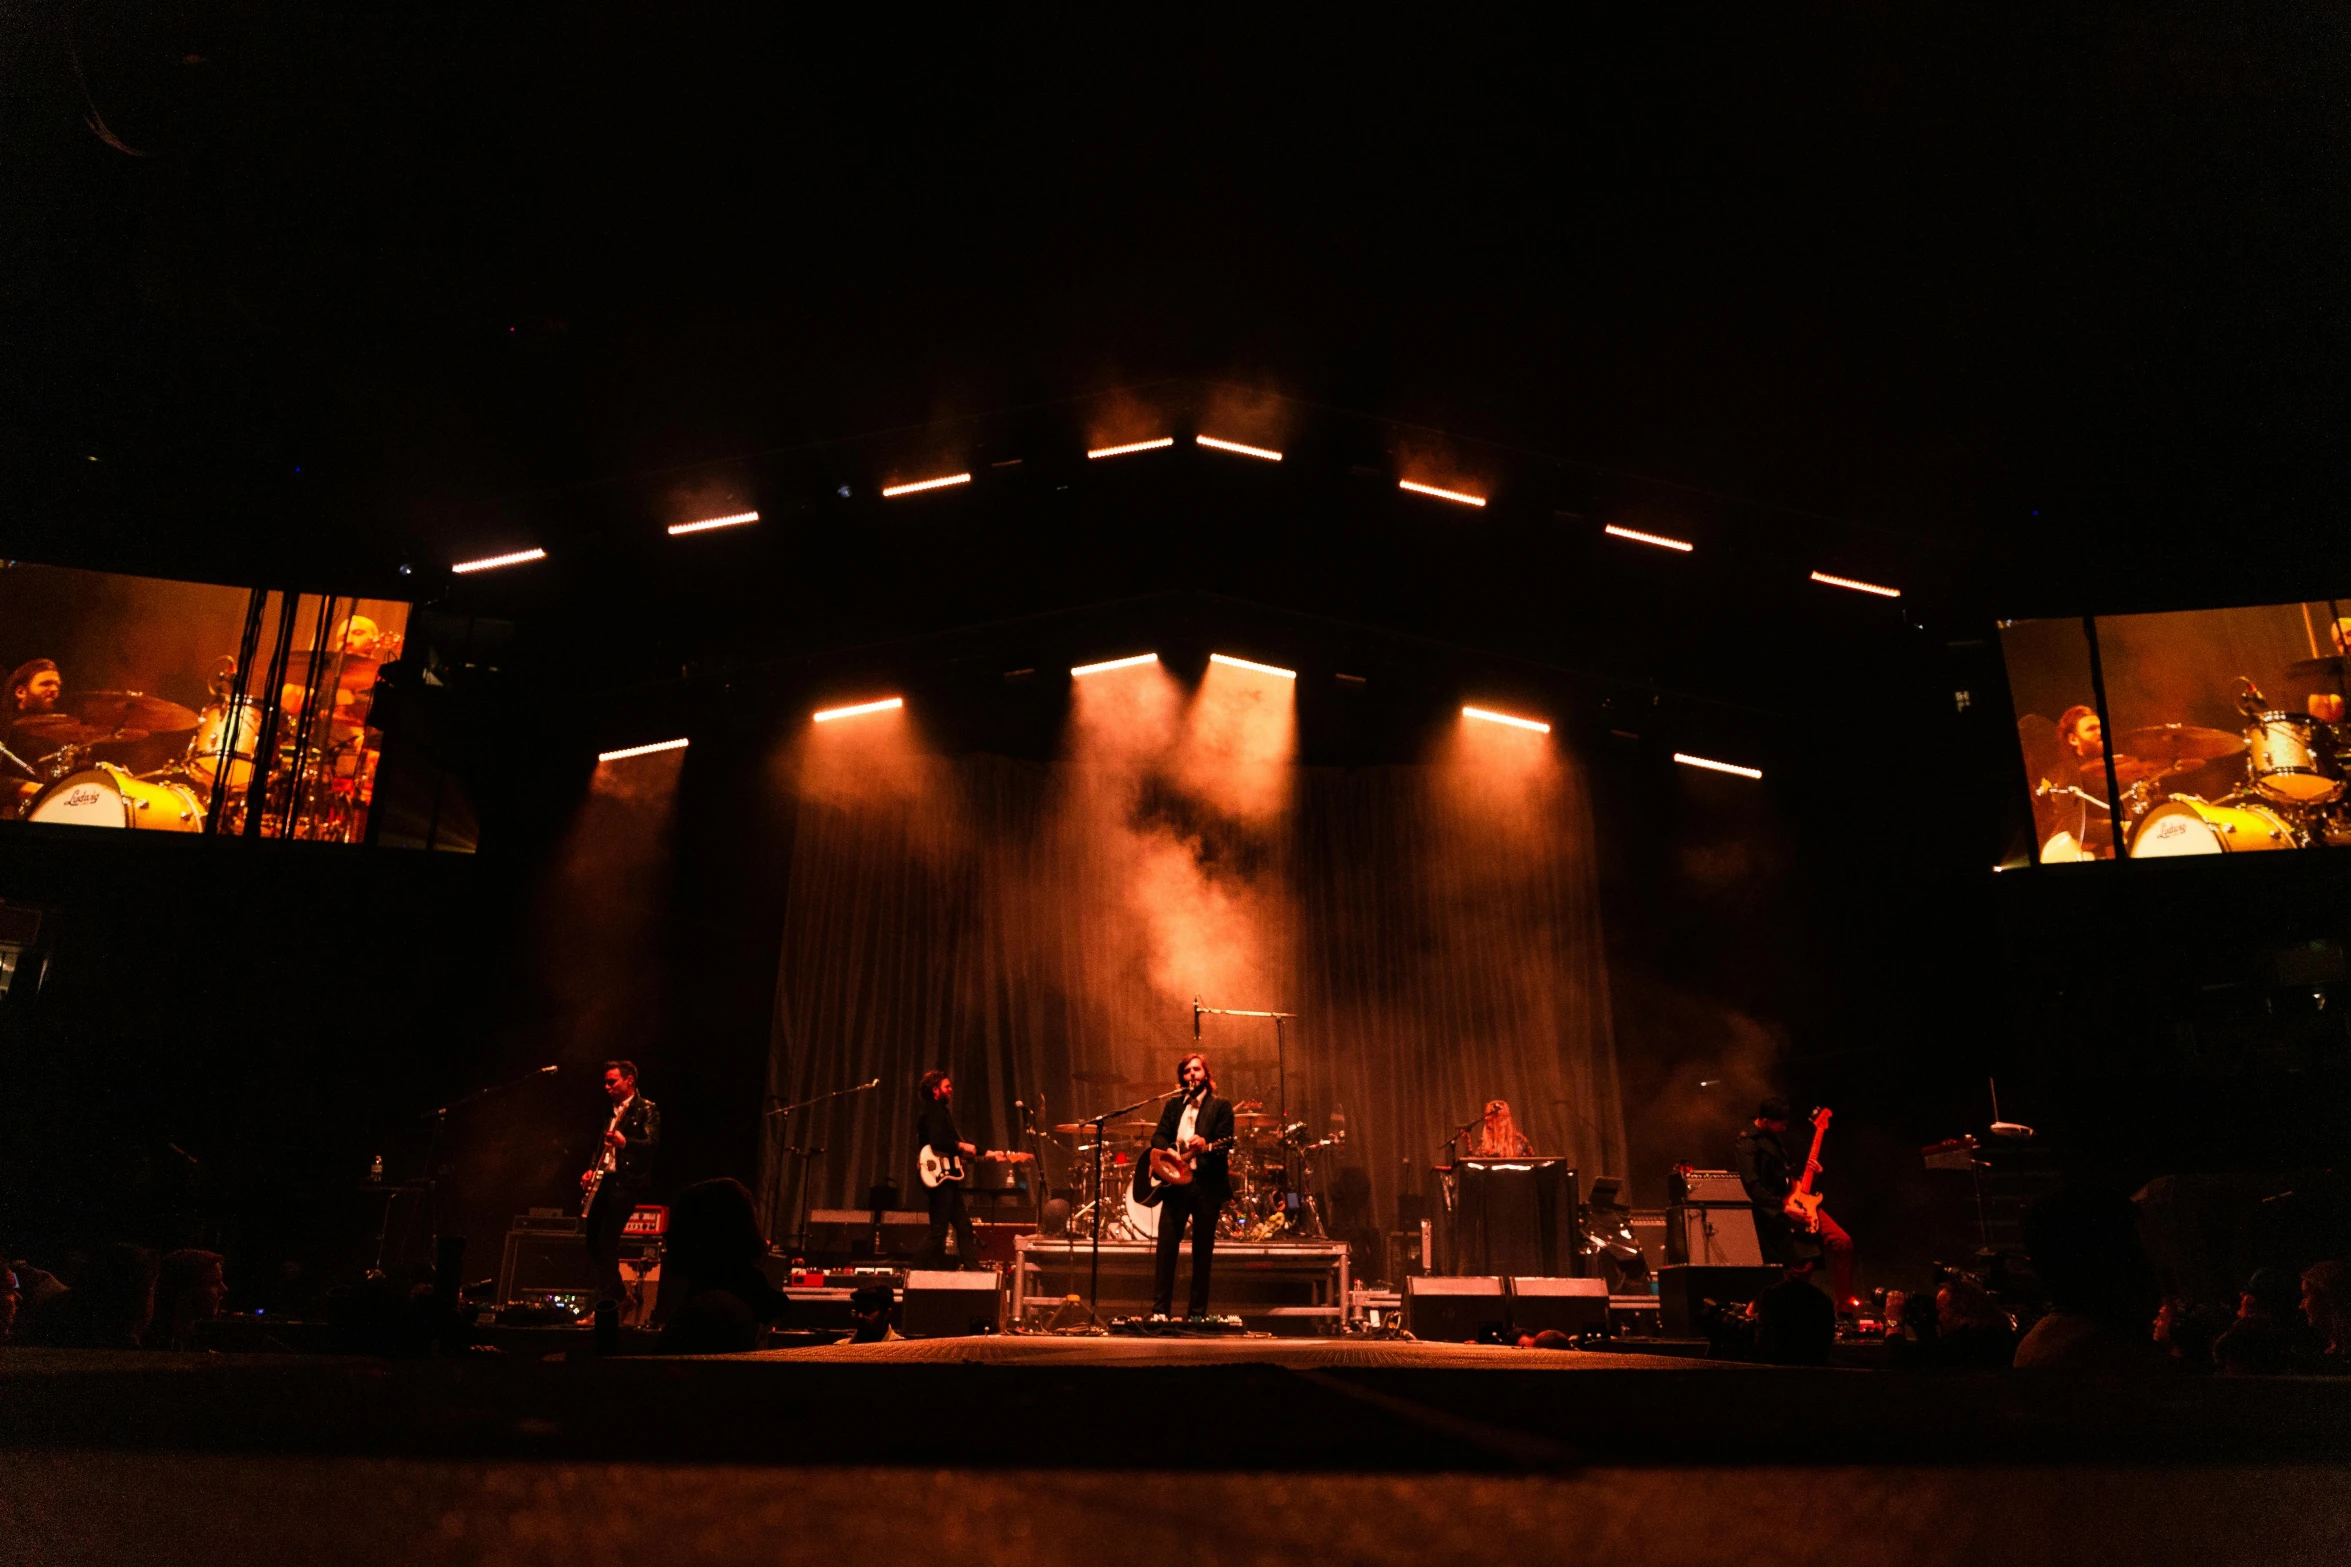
{"type": "Point", "coordinates": [1713, 1235]}
{"type": "Point", "coordinates": [1454, 1310]}
{"type": "Point", "coordinates": [952, 1305]}
{"type": "Point", "coordinates": [1570, 1305]}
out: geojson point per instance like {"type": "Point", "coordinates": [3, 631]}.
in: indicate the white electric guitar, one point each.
{"type": "Point", "coordinates": [939, 1169]}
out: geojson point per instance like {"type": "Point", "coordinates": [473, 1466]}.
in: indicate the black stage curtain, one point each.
{"type": "Point", "coordinates": [1440, 943]}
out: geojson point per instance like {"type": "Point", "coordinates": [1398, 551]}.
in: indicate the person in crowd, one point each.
{"type": "Point", "coordinates": [869, 1309]}
{"type": "Point", "coordinates": [2270, 1336]}
{"type": "Point", "coordinates": [110, 1305]}
{"type": "Point", "coordinates": [714, 1298]}
{"type": "Point", "coordinates": [2084, 1243]}
{"type": "Point", "coordinates": [1957, 1328]}
{"type": "Point", "coordinates": [1499, 1137]}
{"type": "Point", "coordinates": [189, 1287]}
{"type": "Point", "coordinates": [10, 1299]}
{"type": "Point", "coordinates": [2186, 1331]}
{"type": "Point", "coordinates": [1795, 1325]}
{"type": "Point", "coordinates": [2326, 1306]}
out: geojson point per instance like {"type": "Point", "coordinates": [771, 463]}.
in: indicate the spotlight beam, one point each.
{"type": "Point", "coordinates": [1713, 766]}
{"type": "Point", "coordinates": [1113, 663]}
{"type": "Point", "coordinates": [1456, 496]}
{"type": "Point", "coordinates": [1858, 587]}
{"type": "Point", "coordinates": [680, 529]}
{"type": "Point", "coordinates": [827, 715]}
{"type": "Point", "coordinates": [1213, 444]}
{"type": "Point", "coordinates": [893, 491]}
{"type": "Point", "coordinates": [1132, 446]}
{"type": "Point", "coordinates": [1488, 715]}
{"type": "Point", "coordinates": [493, 562]}
{"type": "Point", "coordinates": [626, 752]}
{"type": "Point", "coordinates": [1260, 669]}
{"type": "Point", "coordinates": [1658, 539]}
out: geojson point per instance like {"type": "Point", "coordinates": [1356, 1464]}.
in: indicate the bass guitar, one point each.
{"type": "Point", "coordinates": [1803, 1205]}
{"type": "Point", "coordinates": [939, 1169]}
{"type": "Point", "coordinates": [1169, 1168]}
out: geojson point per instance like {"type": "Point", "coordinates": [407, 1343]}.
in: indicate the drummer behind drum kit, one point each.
{"type": "Point", "coordinates": [119, 761]}
{"type": "Point", "coordinates": [2292, 795]}
{"type": "Point", "coordinates": [1262, 1159]}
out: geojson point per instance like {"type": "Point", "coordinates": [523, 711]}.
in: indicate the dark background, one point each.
{"type": "Point", "coordinates": [2029, 314]}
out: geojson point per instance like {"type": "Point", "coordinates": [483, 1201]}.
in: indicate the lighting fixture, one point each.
{"type": "Point", "coordinates": [1214, 444]}
{"type": "Point", "coordinates": [640, 750]}
{"type": "Point", "coordinates": [1132, 446]}
{"type": "Point", "coordinates": [1492, 717]}
{"type": "Point", "coordinates": [1262, 669]}
{"type": "Point", "coordinates": [1114, 663]}
{"type": "Point", "coordinates": [1418, 488]}
{"type": "Point", "coordinates": [492, 562]}
{"type": "Point", "coordinates": [708, 523]}
{"type": "Point", "coordinates": [1687, 760]}
{"type": "Point", "coordinates": [891, 491]}
{"type": "Point", "coordinates": [1858, 587]}
{"type": "Point", "coordinates": [1658, 539]}
{"type": "Point", "coordinates": [884, 705]}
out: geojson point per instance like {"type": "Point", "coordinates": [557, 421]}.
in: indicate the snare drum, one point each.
{"type": "Point", "coordinates": [212, 738]}
{"type": "Point", "coordinates": [2184, 824]}
{"type": "Point", "coordinates": [2291, 758]}
{"type": "Point", "coordinates": [106, 796]}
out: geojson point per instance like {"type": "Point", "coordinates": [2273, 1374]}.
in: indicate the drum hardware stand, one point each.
{"type": "Point", "coordinates": [799, 1235]}
{"type": "Point", "coordinates": [1094, 1280]}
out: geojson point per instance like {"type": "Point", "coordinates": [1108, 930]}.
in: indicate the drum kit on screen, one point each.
{"type": "Point", "coordinates": [2291, 794]}
{"type": "Point", "coordinates": [129, 760]}
{"type": "Point", "coordinates": [1263, 1159]}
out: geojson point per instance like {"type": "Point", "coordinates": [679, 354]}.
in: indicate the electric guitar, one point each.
{"type": "Point", "coordinates": [939, 1169]}
{"type": "Point", "coordinates": [1169, 1168]}
{"type": "Point", "coordinates": [604, 1166]}
{"type": "Point", "coordinates": [1803, 1205]}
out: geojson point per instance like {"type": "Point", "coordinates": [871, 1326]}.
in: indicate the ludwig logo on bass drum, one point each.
{"type": "Point", "coordinates": [2172, 828]}
{"type": "Point", "coordinates": [85, 795]}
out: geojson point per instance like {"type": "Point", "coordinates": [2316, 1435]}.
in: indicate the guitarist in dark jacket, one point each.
{"type": "Point", "coordinates": [934, 1128]}
{"type": "Point", "coordinates": [1769, 1176]}
{"type": "Point", "coordinates": [623, 1170]}
{"type": "Point", "coordinates": [1198, 1123]}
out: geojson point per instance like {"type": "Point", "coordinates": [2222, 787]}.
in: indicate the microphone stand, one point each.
{"type": "Point", "coordinates": [799, 1236]}
{"type": "Point", "coordinates": [432, 1153]}
{"type": "Point", "coordinates": [1094, 1283]}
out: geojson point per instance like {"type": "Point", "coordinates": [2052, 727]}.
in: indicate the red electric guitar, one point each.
{"type": "Point", "coordinates": [1803, 1205]}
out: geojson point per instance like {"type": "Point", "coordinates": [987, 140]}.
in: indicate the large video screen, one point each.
{"type": "Point", "coordinates": [2188, 733]}
{"type": "Point", "coordinates": [138, 704]}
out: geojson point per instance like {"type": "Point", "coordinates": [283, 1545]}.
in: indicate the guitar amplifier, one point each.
{"type": "Point", "coordinates": [1570, 1305]}
{"type": "Point", "coordinates": [1713, 1235]}
{"type": "Point", "coordinates": [951, 1305]}
{"type": "Point", "coordinates": [1686, 1185]}
{"type": "Point", "coordinates": [1454, 1310]}
{"type": "Point", "coordinates": [551, 1262]}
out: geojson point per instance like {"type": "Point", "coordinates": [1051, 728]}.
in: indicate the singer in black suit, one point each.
{"type": "Point", "coordinates": [625, 1160]}
{"type": "Point", "coordinates": [1190, 1123]}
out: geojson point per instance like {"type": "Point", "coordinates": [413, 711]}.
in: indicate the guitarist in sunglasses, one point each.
{"type": "Point", "coordinates": [1196, 1129]}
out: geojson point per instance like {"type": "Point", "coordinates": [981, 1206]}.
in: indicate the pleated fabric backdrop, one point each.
{"type": "Point", "coordinates": [1436, 928]}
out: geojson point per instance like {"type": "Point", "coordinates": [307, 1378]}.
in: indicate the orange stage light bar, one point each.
{"type": "Point", "coordinates": [640, 750]}
{"type": "Point", "coordinates": [1492, 717]}
{"type": "Point", "coordinates": [1132, 446]}
{"type": "Point", "coordinates": [676, 529]}
{"type": "Point", "coordinates": [1658, 539]}
{"type": "Point", "coordinates": [1417, 488]}
{"type": "Point", "coordinates": [1114, 663]}
{"type": "Point", "coordinates": [1858, 587]}
{"type": "Point", "coordinates": [884, 705]}
{"type": "Point", "coordinates": [493, 562]}
{"type": "Point", "coordinates": [1214, 444]}
{"type": "Point", "coordinates": [1262, 669]}
{"type": "Point", "coordinates": [1712, 766]}
{"type": "Point", "coordinates": [891, 491]}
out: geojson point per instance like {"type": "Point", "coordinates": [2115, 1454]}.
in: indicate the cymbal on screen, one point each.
{"type": "Point", "coordinates": [2179, 742]}
{"type": "Point", "coordinates": [132, 710]}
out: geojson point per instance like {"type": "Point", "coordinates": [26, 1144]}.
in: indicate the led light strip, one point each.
{"type": "Point", "coordinates": [677, 529]}
{"type": "Point", "coordinates": [492, 562]}
{"type": "Point", "coordinates": [1658, 539]}
{"type": "Point", "coordinates": [1132, 446]}
{"type": "Point", "coordinates": [640, 750]}
{"type": "Point", "coordinates": [1114, 663]}
{"type": "Point", "coordinates": [1214, 444]}
{"type": "Point", "coordinates": [1418, 488]}
{"type": "Point", "coordinates": [891, 491]}
{"type": "Point", "coordinates": [1262, 669]}
{"type": "Point", "coordinates": [1492, 717]}
{"type": "Point", "coordinates": [1858, 587]}
{"type": "Point", "coordinates": [883, 706]}
{"type": "Point", "coordinates": [1688, 760]}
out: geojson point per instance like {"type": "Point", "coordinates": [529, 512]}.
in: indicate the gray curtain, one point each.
{"type": "Point", "coordinates": [1436, 930]}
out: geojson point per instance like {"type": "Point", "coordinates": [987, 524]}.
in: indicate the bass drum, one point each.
{"type": "Point", "coordinates": [1142, 1217]}
{"type": "Point", "coordinates": [106, 796]}
{"type": "Point", "coordinates": [2186, 825]}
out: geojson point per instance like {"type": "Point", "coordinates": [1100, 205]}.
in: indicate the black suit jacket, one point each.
{"type": "Point", "coordinates": [632, 1164]}
{"type": "Point", "coordinates": [1212, 1178]}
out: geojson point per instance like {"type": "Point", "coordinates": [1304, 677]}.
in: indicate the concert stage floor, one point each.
{"type": "Point", "coordinates": [1040, 1451]}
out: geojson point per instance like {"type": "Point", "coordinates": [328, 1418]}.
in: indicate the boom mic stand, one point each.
{"type": "Point", "coordinates": [799, 1235]}
{"type": "Point", "coordinates": [1094, 1283]}
{"type": "Point", "coordinates": [432, 1154]}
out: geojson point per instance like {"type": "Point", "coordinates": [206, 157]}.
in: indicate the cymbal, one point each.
{"type": "Point", "coordinates": [1252, 1120]}
{"type": "Point", "coordinates": [2179, 743]}
{"type": "Point", "coordinates": [2331, 664]}
{"type": "Point", "coordinates": [47, 732]}
{"type": "Point", "coordinates": [2127, 770]}
{"type": "Point", "coordinates": [132, 710]}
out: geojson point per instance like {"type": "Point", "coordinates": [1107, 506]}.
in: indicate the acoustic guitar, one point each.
{"type": "Point", "coordinates": [1169, 1168]}
{"type": "Point", "coordinates": [1803, 1206]}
